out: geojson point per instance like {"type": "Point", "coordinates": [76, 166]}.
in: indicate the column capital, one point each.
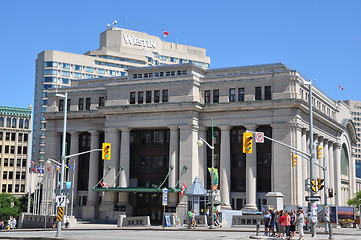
{"type": "Point", "coordinates": [94, 133]}
{"type": "Point", "coordinates": [250, 127]}
{"type": "Point", "coordinates": [225, 127]}
{"type": "Point", "coordinates": [173, 128]}
{"type": "Point", "coordinates": [111, 130]}
{"type": "Point", "coordinates": [337, 145]}
{"type": "Point", "coordinates": [125, 129]}
{"type": "Point", "coordinates": [189, 127]}
{"type": "Point", "coordinates": [74, 134]}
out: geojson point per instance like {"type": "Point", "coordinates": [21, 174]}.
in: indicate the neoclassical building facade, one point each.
{"type": "Point", "coordinates": [154, 117]}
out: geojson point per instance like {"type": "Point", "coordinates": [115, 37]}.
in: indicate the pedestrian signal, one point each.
{"type": "Point", "coordinates": [106, 149]}
{"type": "Point", "coordinates": [320, 185]}
{"type": "Point", "coordinates": [247, 142]}
{"type": "Point", "coordinates": [319, 152]}
{"type": "Point", "coordinates": [294, 160]}
{"type": "Point", "coordinates": [330, 192]}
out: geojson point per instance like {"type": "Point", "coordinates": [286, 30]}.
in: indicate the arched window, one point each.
{"type": "Point", "coordinates": [13, 123]}
{"type": "Point", "coordinates": [21, 123]}
{"type": "Point", "coordinates": [26, 123]}
{"type": "Point", "coordinates": [344, 161]}
{"type": "Point", "coordinates": [8, 122]}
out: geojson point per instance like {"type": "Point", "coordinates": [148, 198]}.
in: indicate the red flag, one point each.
{"type": "Point", "coordinates": [340, 87]}
{"type": "Point", "coordinates": [183, 188]}
{"type": "Point", "coordinates": [104, 185]}
{"type": "Point", "coordinates": [165, 33]}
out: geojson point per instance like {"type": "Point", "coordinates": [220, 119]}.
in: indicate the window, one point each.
{"type": "Point", "coordinates": [25, 137]}
{"type": "Point", "coordinates": [240, 94]}
{"type": "Point", "coordinates": [7, 136]}
{"type": "Point", "coordinates": [68, 105]}
{"type": "Point", "coordinates": [101, 101]}
{"type": "Point", "coordinates": [1, 121]}
{"type": "Point", "coordinates": [87, 103]}
{"type": "Point", "coordinates": [132, 98]}
{"type": "Point", "coordinates": [78, 68]}
{"type": "Point", "coordinates": [1, 136]}
{"type": "Point", "coordinates": [140, 97]}
{"type": "Point", "coordinates": [8, 122]}
{"type": "Point", "coordinates": [26, 124]}
{"type": "Point", "coordinates": [50, 64]}
{"type": "Point", "coordinates": [65, 65]}
{"type": "Point", "coordinates": [207, 96]}
{"type": "Point", "coordinates": [156, 96]}
{"type": "Point", "coordinates": [65, 73]}
{"type": "Point", "coordinates": [22, 175]}
{"type": "Point", "coordinates": [267, 93]}
{"type": "Point", "coordinates": [21, 123]}
{"type": "Point", "coordinates": [77, 75]}
{"type": "Point", "coordinates": [61, 105]}
{"type": "Point", "coordinates": [13, 136]}
{"type": "Point", "coordinates": [89, 69]}
{"type": "Point", "coordinates": [17, 175]}
{"type": "Point", "coordinates": [258, 93]}
{"type": "Point", "coordinates": [165, 96]}
{"type": "Point", "coordinates": [10, 188]}
{"type": "Point", "coordinates": [5, 175]}
{"type": "Point", "coordinates": [148, 97]}
{"type": "Point", "coordinates": [112, 72]}
{"type": "Point", "coordinates": [12, 150]}
{"type": "Point", "coordinates": [101, 71]}
{"type": "Point", "coordinates": [13, 123]}
{"type": "Point", "coordinates": [232, 95]}
{"type": "Point", "coordinates": [50, 79]}
{"type": "Point", "coordinates": [81, 104]}
{"type": "Point", "coordinates": [216, 96]}
{"type": "Point", "coordinates": [50, 72]}
{"type": "Point", "coordinates": [3, 188]}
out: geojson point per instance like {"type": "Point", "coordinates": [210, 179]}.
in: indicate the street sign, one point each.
{"type": "Point", "coordinates": [313, 198]}
{"type": "Point", "coordinates": [165, 197]}
{"type": "Point", "coordinates": [259, 137]}
{"type": "Point", "coordinates": [60, 201]}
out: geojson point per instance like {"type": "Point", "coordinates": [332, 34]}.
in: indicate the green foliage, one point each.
{"type": "Point", "coordinates": [9, 206]}
{"type": "Point", "coordinates": [356, 201]}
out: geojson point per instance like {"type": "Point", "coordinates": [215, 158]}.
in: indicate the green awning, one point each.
{"type": "Point", "coordinates": [129, 189]}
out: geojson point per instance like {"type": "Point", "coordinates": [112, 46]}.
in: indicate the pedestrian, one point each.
{"type": "Point", "coordinates": [273, 222]}
{"type": "Point", "coordinates": [282, 224]}
{"type": "Point", "coordinates": [300, 223]}
{"type": "Point", "coordinates": [288, 225]}
{"type": "Point", "coordinates": [216, 217]}
{"type": "Point", "coordinates": [293, 224]}
{"type": "Point", "coordinates": [54, 222]}
{"type": "Point", "coordinates": [277, 218]}
{"type": "Point", "coordinates": [190, 217]}
{"type": "Point", "coordinates": [13, 223]}
{"type": "Point", "coordinates": [2, 225]}
{"type": "Point", "coordinates": [267, 222]}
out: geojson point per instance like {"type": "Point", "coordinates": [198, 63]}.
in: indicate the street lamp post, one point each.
{"type": "Point", "coordinates": [63, 152]}
{"type": "Point", "coordinates": [200, 143]}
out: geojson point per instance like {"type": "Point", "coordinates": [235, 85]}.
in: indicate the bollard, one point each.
{"type": "Point", "coordinates": [257, 227]}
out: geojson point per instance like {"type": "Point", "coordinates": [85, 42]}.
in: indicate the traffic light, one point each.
{"type": "Point", "coordinates": [247, 142]}
{"type": "Point", "coordinates": [330, 192]}
{"type": "Point", "coordinates": [319, 152]}
{"type": "Point", "coordinates": [106, 149]}
{"type": "Point", "coordinates": [313, 186]}
{"type": "Point", "coordinates": [294, 160]}
{"type": "Point", "coordinates": [320, 185]}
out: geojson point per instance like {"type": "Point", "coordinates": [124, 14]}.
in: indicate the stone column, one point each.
{"type": "Point", "coordinates": [225, 165]}
{"type": "Point", "coordinates": [202, 153]}
{"type": "Point", "coordinates": [305, 163]}
{"type": "Point", "coordinates": [124, 158]}
{"type": "Point", "coordinates": [337, 161]}
{"type": "Point", "coordinates": [110, 170]}
{"type": "Point", "coordinates": [298, 169]}
{"type": "Point", "coordinates": [251, 175]}
{"type": "Point", "coordinates": [331, 171]}
{"type": "Point", "coordinates": [89, 209]}
{"type": "Point", "coordinates": [74, 148]}
{"type": "Point", "coordinates": [173, 156]}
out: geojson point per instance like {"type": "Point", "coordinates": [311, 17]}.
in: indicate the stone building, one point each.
{"type": "Point", "coordinates": [154, 117]}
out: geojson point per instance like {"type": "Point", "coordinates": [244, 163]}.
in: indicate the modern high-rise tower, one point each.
{"type": "Point", "coordinates": [119, 50]}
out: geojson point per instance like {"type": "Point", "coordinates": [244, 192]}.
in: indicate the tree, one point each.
{"type": "Point", "coordinates": [356, 201]}
{"type": "Point", "coordinates": [9, 206]}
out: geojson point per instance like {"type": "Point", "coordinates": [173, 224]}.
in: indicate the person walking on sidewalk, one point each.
{"type": "Point", "coordinates": [300, 223]}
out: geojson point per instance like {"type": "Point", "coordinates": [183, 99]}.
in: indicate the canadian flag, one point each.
{"type": "Point", "coordinates": [183, 188]}
{"type": "Point", "coordinates": [165, 33]}
{"type": "Point", "coordinates": [104, 185]}
{"type": "Point", "coordinates": [340, 87]}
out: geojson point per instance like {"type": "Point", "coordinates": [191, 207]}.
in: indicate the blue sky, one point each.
{"type": "Point", "coordinates": [320, 39]}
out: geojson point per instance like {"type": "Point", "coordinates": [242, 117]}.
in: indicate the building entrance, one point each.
{"type": "Point", "coordinates": [149, 204]}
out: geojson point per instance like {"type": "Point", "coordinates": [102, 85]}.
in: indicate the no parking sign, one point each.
{"type": "Point", "coordinates": [259, 137]}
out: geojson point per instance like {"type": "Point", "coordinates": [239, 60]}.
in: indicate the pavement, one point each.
{"type": "Point", "coordinates": [244, 231]}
